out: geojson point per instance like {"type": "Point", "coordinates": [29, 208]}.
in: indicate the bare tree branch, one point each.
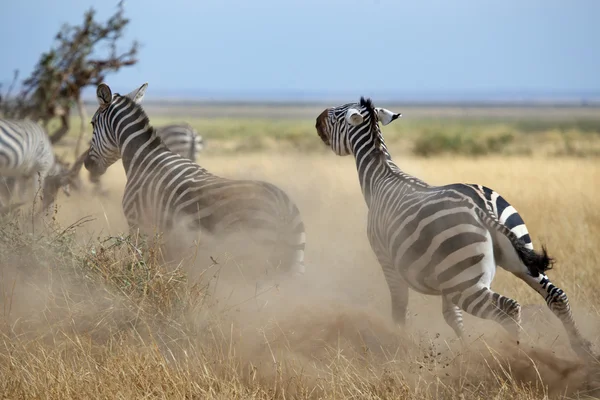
{"type": "Point", "coordinates": [82, 56]}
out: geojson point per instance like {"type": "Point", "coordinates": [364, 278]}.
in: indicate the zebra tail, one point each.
{"type": "Point", "coordinates": [536, 262]}
{"type": "Point", "coordinates": [193, 147]}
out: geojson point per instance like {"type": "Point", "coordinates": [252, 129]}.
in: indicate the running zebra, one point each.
{"type": "Point", "coordinates": [27, 160]}
{"type": "Point", "coordinates": [440, 240]}
{"type": "Point", "coordinates": [164, 188]}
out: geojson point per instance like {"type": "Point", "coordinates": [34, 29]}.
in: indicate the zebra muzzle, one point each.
{"type": "Point", "coordinates": [93, 167]}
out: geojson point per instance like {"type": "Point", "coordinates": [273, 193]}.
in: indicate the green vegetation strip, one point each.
{"type": "Point", "coordinates": [421, 137]}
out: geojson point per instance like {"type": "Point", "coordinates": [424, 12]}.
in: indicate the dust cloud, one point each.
{"type": "Point", "coordinates": [337, 317]}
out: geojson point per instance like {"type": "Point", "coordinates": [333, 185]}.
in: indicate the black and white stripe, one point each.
{"type": "Point", "coordinates": [27, 160]}
{"type": "Point", "coordinates": [164, 188]}
{"type": "Point", "coordinates": [440, 240]}
{"type": "Point", "coordinates": [506, 214]}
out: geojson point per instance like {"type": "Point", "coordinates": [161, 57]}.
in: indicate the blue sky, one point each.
{"type": "Point", "coordinates": [328, 47]}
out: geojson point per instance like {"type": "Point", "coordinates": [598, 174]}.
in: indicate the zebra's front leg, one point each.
{"type": "Point", "coordinates": [398, 291]}
{"type": "Point", "coordinates": [453, 317]}
{"type": "Point", "coordinates": [558, 302]}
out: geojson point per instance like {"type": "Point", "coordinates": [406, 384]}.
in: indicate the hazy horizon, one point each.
{"type": "Point", "coordinates": [309, 50]}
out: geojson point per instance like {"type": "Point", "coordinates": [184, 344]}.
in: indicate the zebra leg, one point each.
{"type": "Point", "coordinates": [557, 301]}
{"type": "Point", "coordinates": [480, 301]}
{"type": "Point", "coordinates": [398, 291]}
{"type": "Point", "coordinates": [453, 316]}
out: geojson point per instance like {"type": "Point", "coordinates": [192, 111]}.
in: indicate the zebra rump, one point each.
{"type": "Point", "coordinates": [27, 157]}
{"type": "Point", "coordinates": [536, 263]}
{"type": "Point", "coordinates": [181, 138]}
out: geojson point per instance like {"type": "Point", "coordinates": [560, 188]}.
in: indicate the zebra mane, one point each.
{"type": "Point", "coordinates": [140, 109]}
{"type": "Point", "coordinates": [373, 121]}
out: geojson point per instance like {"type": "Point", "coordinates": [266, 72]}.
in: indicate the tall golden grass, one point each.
{"type": "Point", "coordinates": [88, 312]}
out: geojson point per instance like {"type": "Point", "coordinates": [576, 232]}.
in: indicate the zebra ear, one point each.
{"type": "Point", "coordinates": [104, 95]}
{"type": "Point", "coordinates": [354, 117]}
{"type": "Point", "coordinates": [138, 94]}
{"type": "Point", "coordinates": [386, 116]}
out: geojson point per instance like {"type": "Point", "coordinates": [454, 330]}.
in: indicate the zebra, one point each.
{"type": "Point", "coordinates": [180, 138]}
{"type": "Point", "coordinates": [26, 155]}
{"type": "Point", "coordinates": [164, 188]}
{"type": "Point", "coordinates": [440, 240]}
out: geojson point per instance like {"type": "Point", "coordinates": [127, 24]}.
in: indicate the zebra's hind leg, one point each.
{"type": "Point", "coordinates": [482, 302]}
{"type": "Point", "coordinates": [557, 301]}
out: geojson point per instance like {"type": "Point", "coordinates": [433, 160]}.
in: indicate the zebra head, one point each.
{"type": "Point", "coordinates": [104, 147]}
{"type": "Point", "coordinates": [339, 126]}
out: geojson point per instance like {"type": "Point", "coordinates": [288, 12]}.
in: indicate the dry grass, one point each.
{"type": "Point", "coordinates": [84, 317]}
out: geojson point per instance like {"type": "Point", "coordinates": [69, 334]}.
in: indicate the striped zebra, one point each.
{"type": "Point", "coordinates": [440, 240]}
{"type": "Point", "coordinates": [180, 138]}
{"type": "Point", "coordinates": [164, 188]}
{"type": "Point", "coordinates": [27, 160]}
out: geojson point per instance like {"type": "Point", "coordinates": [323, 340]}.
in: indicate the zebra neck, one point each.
{"type": "Point", "coordinates": [375, 166]}
{"type": "Point", "coordinates": [136, 145]}
{"type": "Point", "coordinates": [371, 164]}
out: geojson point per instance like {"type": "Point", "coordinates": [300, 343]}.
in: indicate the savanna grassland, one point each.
{"type": "Point", "coordinates": [89, 312]}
